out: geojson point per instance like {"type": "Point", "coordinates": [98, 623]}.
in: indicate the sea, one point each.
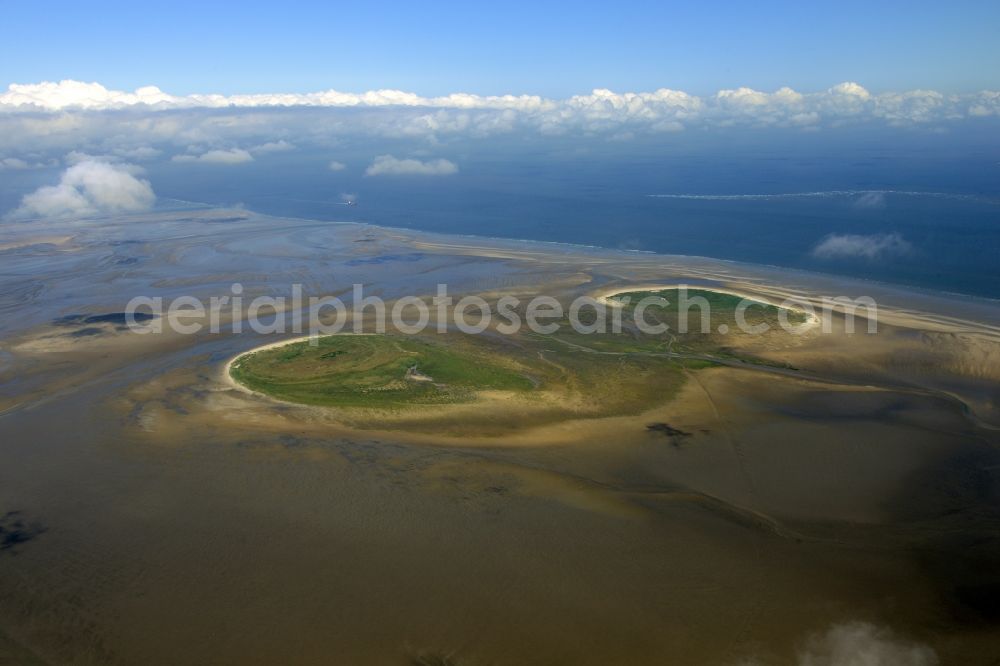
{"type": "Point", "coordinates": [913, 207]}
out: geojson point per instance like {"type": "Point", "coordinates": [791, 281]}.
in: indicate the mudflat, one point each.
{"type": "Point", "coordinates": [699, 498]}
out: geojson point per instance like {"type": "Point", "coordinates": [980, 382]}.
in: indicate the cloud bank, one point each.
{"type": "Point", "coordinates": [387, 165]}
{"type": "Point", "coordinates": [859, 246]}
{"type": "Point", "coordinates": [89, 188]}
{"type": "Point", "coordinates": [662, 110]}
{"type": "Point", "coordinates": [40, 123]}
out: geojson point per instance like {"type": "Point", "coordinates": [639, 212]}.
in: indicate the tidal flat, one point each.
{"type": "Point", "coordinates": [564, 499]}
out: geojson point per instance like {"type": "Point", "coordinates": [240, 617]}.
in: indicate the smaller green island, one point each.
{"type": "Point", "coordinates": [722, 306]}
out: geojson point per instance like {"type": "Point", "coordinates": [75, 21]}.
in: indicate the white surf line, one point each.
{"type": "Point", "coordinates": [820, 194]}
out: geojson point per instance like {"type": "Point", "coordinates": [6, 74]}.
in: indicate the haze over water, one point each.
{"type": "Point", "coordinates": [913, 212]}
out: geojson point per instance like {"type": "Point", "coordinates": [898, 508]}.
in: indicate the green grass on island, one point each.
{"type": "Point", "coordinates": [376, 371]}
{"type": "Point", "coordinates": [700, 341]}
{"type": "Point", "coordinates": [722, 308]}
{"type": "Point", "coordinates": [569, 374]}
{"type": "Point", "coordinates": [395, 372]}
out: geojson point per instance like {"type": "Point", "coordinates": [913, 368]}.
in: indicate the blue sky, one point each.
{"type": "Point", "coordinates": [550, 49]}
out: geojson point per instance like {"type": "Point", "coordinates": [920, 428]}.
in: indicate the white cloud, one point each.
{"type": "Point", "coordinates": [48, 120]}
{"type": "Point", "coordinates": [870, 200]}
{"type": "Point", "coordinates": [986, 103]}
{"type": "Point", "coordinates": [89, 188]}
{"type": "Point", "coordinates": [280, 146]}
{"type": "Point", "coordinates": [915, 106]}
{"type": "Point", "coordinates": [231, 156]}
{"type": "Point", "coordinates": [850, 89]}
{"type": "Point", "coordinates": [859, 246]}
{"type": "Point", "coordinates": [387, 165]}
{"type": "Point", "coordinates": [863, 644]}
{"type": "Point", "coordinates": [13, 164]}
{"type": "Point", "coordinates": [336, 166]}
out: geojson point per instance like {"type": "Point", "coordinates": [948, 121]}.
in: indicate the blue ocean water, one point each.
{"type": "Point", "coordinates": [919, 209]}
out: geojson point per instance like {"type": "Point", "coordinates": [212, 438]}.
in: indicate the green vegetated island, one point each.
{"type": "Point", "coordinates": [567, 374]}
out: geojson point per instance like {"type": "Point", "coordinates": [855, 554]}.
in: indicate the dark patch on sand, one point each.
{"type": "Point", "coordinates": [385, 258]}
{"type": "Point", "coordinates": [15, 530]}
{"type": "Point", "coordinates": [827, 406]}
{"type": "Point", "coordinates": [86, 332]}
{"type": "Point", "coordinates": [119, 320]}
{"type": "Point", "coordinates": [223, 220]}
{"type": "Point", "coordinates": [435, 659]}
{"type": "Point", "coordinates": [957, 502]}
{"type": "Point", "coordinates": [675, 435]}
